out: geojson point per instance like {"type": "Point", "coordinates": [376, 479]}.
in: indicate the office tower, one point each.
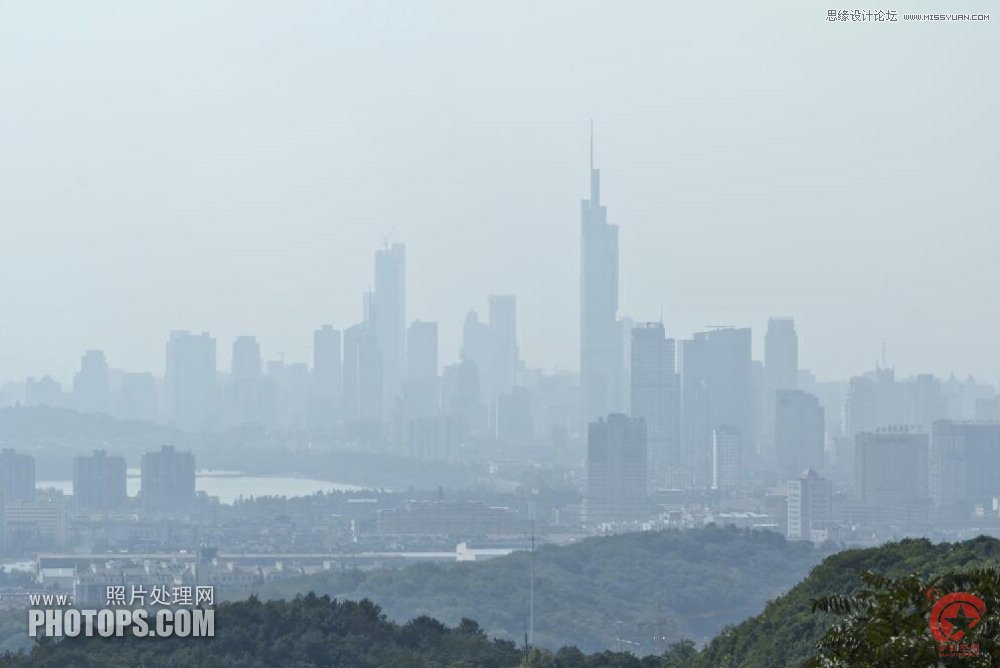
{"type": "Point", "coordinates": [137, 397]}
{"type": "Point", "coordinates": [655, 397]}
{"type": "Point", "coordinates": [17, 476]}
{"type": "Point", "coordinates": [462, 398]}
{"type": "Point", "coordinates": [781, 354]}
{"type": "Point", "coordinates": [623, 387]}
{"type": "Point", "coordinates": [502, 341]}
{"type": "Point", "coordinates": [616, 470]}
{"type": "Point", "coordinates": [726, 457]}
{"type": "Point", "coordinates": [810, 506]}
{"type": "Point", "coordinates": [167, 483]}
{"type": "Point", "coordinates": [600, 340]}
{"type": "Point", "coordinates": [91, 387]}
{"type": "Point", "coordinates": [327, 379]}
{"type": "Point", "coordinates": [964, 464]}
{"type": "Point", "coordinates": [891, 476]}
{"type": "Point", "coordinates": [422, 350]}
{"type": "Point", "coordinates": [190, 381]}
{"type": "Point", "coordinates": [476, 346]}
{"type": "Point", "coordinates": [422, 386]}
{"type": "Point", "coordinates": [389, 318]}
{"type": "Point", "coordinates": [799, 432]}
{"type": "Point", "coordinates": [515, 424]}
{"type": "Point", "coordinates": [363, 375]}
{"type": "Point", "coordinates": [245, 374]}
{"type": "Point", "coordinates": [879, 399]}
{"type": "Point", "coordinates": [716, 390]}
{"type": "Point", "coordinates": [99, 482]}
{"type": "Point", "coordinates": [860, 414]}
{"type": "Point", "coordinates": [781, 372]}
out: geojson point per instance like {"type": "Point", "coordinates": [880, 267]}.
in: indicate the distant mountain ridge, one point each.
{"type": "Point", "coordinates": [672, 584]}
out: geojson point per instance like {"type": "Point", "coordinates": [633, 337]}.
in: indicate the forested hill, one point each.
{"type": "Point", "coordinates": [785, 634]}
{"type": "Point", "coordinates": [680, 584]}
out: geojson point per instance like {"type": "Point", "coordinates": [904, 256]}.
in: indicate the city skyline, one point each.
{"type": "Point", "coordinates": [241, 184]}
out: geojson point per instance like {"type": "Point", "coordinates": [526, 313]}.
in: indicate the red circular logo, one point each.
{"type": "Point", "coordinates": [954, 615]}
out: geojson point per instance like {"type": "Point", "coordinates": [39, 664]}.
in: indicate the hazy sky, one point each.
{"type": "Point", "coordinates": [232, 166]}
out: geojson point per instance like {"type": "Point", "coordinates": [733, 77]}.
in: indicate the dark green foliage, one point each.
{"type": "Point", "coordinates": [886, 622]}
{"type": "Point", "coordinates": [308, 631]}
{"type": "Point", "coordinates": [787, 632]}
{"type": "Point", "coordinates": [684, 584]}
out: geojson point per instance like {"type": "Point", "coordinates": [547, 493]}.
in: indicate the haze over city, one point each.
{"type": "Point", "coordinates": [231, 168]}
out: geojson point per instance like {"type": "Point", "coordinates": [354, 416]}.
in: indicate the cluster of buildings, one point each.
{"type": "Point", "coordinates": [650, 417]}
{"type": "Point", "coordinates": [30, 518]}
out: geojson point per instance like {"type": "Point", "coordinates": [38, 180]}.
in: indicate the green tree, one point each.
{"type": "Point", "coordinates": [887, 622]}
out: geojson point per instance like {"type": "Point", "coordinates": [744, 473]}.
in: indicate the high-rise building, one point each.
{"type": "Point", "coordinates": [616, 470]}
{"type": "Point", "coordinates": [476, 345]}
{"type": "Point", "coordinates": [91, 387]}
{"type": "Point", "coordinates": [245, 375]}
{"type": "Point", "coordinates": [167, 480]}
{"type": "Point", "coordinates": [363, 375]}
{"type": "Point", "coordinates": [964, 464]}
{"type": "Point", "coordinates": [422, 350]}
{"type": "Point", "coordinates": [327, 379]}
{"type": "Point", "coordinates": [716, 390]}
{"type": "Point", "coordinates": [781, 372]}
{"type": "Point", "coordinates": [600, 340]}
{"type": "Point", "coordinates": [17, 476]}
{"type": "Point", "coordinates": [799, 432]}
{"type": "Point", "coordinates": [422, 387]}
{"type": "Point", "coordinates": [655, 397]}
{"type": "Point", "coordinates": [190, 381]}
{"type": "Point", "coordinates": [891, 476]}
{"type": "Point", "coordinates": [462, 400]}
{"type": "Point", "coordinates": [99, 482]}
{"type": "Point", "coordinates": [810, 501]}
{"type": "Point", "coordinates": [726, 457]}
{"type": "Point", "coordinates": [389, 318]}
{"type": "Point", "coordinates": [515, 424]}
{"type": "Point", "coordinates": [503, 356]}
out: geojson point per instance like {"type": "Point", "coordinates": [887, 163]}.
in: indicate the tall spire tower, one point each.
{"type": "Point", "coordinates": [600, 348]}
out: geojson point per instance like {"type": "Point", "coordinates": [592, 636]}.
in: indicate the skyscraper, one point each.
{"type": "Point", "coordinates": [891, 476]}
{"type": "Point", "coordinates": [363, 375]}
{"type": "Point", "coordinates": [476, 346]}
{"type": "Point", "coordinates": [655, 397]}
{"type": "Point", "coordinates": [168, 479]}
{"type": "Point", "coordinates": [99, 482]}
{"type": "Point", "coordinates": [191, 392]}
{"type": "Point", "coordinates": [726, 451]}
{"type": "Point", "coordinates": [502, 344]}
{"type": "Point", "coordinates": [716, 390]}
{"type": "Point", "coordinates": [616, 469]}
{"type": "Point", "coordinates": [781, 372]}
{"type": "Point", "coordinates": [245, 374]}
{"type": "Point", "coordinates": [964, 464]}
{"type": "Point", "coordinates": [810, 501]}
{"type": "Point", "coordinates": [799, 432]}
{"type": "Point", "coordinates": [389, 318]}
{"type": "Point", "coordinates": [91, 387]}
{"type": "Point", "coordinates": [422, 387]}
{"type": "Point", "coordinates": [600, 344]}
{"type": "Point", "coordinates": [327, 379]}
{"type": "Point", "coordinates": [17, 476]}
